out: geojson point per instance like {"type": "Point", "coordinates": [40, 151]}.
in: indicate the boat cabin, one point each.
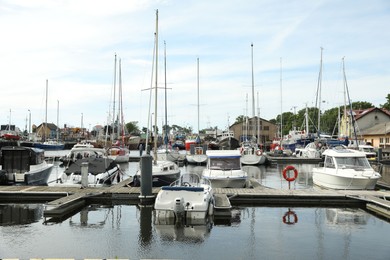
{"type": "Point", "coordinates": [18, 159]}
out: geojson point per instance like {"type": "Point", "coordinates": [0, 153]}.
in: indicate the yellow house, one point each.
{"type": "Point", "coordinates": [364, 118]}
{"type": "Point", "coordinates": [378, 135]}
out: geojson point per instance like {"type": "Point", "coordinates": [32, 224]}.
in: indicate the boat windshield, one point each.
{"type": "Point", "coordinates": [353, 162]}
{"type": "Point", "coordinates": [225, 163]}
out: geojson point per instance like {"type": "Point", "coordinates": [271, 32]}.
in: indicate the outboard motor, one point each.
{"type": "Point", "coordinates": [179, 208]}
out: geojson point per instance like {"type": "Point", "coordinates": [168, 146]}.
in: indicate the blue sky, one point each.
{"type": "Point", "coordinates": [72, 44]}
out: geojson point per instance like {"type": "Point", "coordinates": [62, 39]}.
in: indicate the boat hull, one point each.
{"type": "Point", "coordinates": [49, 146]}
{"type": "Point", "coordinates": [37, 176]}
{"type": "Point", "coordinates": [253, 159]}
{"type": "Point", "coordinates": [227, 182]}
{"type": "Point", "coordinates": [329, 180]}
{"type": "Point", "coordinates": [196, 158]}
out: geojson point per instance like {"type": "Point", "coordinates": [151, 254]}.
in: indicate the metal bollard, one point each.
{"type": "Point", "coordinates": [146, 196]}
{"type": "Point", "coordinates": [379, 154]}
{"type": "Point", "coordinates": [84, 174]}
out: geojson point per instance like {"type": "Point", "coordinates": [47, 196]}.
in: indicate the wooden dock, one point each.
{"type": "Point", "coordinates": [61, 201]}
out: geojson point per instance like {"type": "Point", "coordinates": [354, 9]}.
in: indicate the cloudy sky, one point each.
{"type": "Point", "coordinates": [72, 44]}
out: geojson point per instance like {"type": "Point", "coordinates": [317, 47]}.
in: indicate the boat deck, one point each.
{"type": "Point", "coordinates": [61, 201]}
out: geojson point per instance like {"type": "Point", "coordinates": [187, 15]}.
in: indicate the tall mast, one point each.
{"type": "Point", "coordinates": [44, 132]}
{"type": "Point", "coordinates": [253, 87]}
{"type": "Point", "coordinates": [121, 131]}
{"type": "Point", "coordinates": [350, 107]}
{"type": "Point", "coordinates": [198, 91]}
{"type": "Point", "coordinates": [165, 88]}
{"type": "Point", "coordinates": [258, 120]}
{"type": "Point", "coordinates": [281, 104]}
{"type": "Point", "coordinates": [319, 86]}
{"type": "Point", "coordinates": [113, 105]}
{"type": "Point", "coordinates": [58, 109]}
{"type": "Point", "coordinates": [155, 97]}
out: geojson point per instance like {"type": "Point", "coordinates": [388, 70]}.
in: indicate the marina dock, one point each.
{"type": "Point", "coordinates": [64, 201]}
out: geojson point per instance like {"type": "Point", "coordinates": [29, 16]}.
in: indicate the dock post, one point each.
{"type": "Point", "coordinates": [379, 155]}
{"type": "Point", "coordinates": [84, 174]}
{"type": "Point", "coordinates": [146, 196]}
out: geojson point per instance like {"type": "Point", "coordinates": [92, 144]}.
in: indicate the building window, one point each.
{"type": "Point", "coordinates": [266, 128]}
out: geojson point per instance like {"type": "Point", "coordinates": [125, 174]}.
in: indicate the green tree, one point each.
{"type": "Point", "coordinates": [387, 104]}
{"type": "Point", "coordinates": [240, 119]}
{"type": "Point", "coordinates": [132, 128]}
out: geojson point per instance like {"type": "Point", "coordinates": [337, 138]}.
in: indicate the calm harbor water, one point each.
{"type": "Point", "coordinates": [131, 231]}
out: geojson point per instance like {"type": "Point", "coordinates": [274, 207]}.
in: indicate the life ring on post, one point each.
{"type": "Point", "coordinates": [259, 152]}
{"type": "Point", "coordinates": [286, 170]}
{"type": "Point", "coordinates": [290, 218]}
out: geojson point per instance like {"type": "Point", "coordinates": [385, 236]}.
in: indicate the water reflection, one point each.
{"type": "Point", "coordinates": [194, 231]}
{"type": "Point", "coordinates": [132, 231]}
{"type": "Point", "coordinates": [346, 217]}
{"type": "Point", "coordinates": [91, 217]}
{"type": "Point", "coordinates": [20, 214]}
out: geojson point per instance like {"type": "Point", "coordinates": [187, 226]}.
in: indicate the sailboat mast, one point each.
{"type": "Point", "coordinates": [113, 105]}
{"type": "Point", "coordinates": [155, 97]}
{"type": "Point", "coordinates": [319, 86]}
{"type": "Point", "coordinates": [44, 132]}
{"type": "Point", "coordinates": [281, 104]}
{"type": "Point", "coordinates": [165, 88]}
{"type": "Point", "coordinates": [120, 105]}
{"type": "Point", "coordinates": [198, 91]}
{"type": "Point", "coordinates": [253, 86]}
{"type": "Point", "coordinates": [258, 120]}
{"type": "Point", "coordinates": [58, 109]}
{"type": "Point", "coordinates": [350, 107]}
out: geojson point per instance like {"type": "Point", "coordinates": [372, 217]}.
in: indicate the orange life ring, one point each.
{"type": "Point", "coordinates": [289, 168]}
{"type": "Point", "coordinates": [259, 152]}
{"type": "Point", "coordinates": [287, 218]}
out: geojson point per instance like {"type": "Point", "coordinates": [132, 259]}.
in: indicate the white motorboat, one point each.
{"type": "Point", "coordinates": [119, 153]}
{"type": "Point", "coordinates": [197, 155]}
{"type": "Point", "coordinates": [163, 173]}
{"type": "Point", "coordinates": [24, 165]}
{"type": "Point", "coordinates": [345, 169]}
{"type": "Point", "coordinates": [101, 171]}
{"type": "Point", "coordinates": [81, 151]}
{"type": "Point", "coordinates": [224, 169]}
{"type": "Point", "coordinates": [368, 150]}
{"type": "Point", "coordinates": [169, 154]}
{"type": "Point", "coordinates": [188, 198]}
{"type": "Point", "coordinates": [251, 154]}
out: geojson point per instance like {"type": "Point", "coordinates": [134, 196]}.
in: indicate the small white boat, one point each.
{"type": "Point", "coordinates": [118, 153]}
{"type": "Point", "coordinates": [196, 153]}
{"type": "Point", "coordinates": [163, 173]}
{"type": "Point", "coordinates": [251, 154]}
{"type": "Point", "coordinates": [224, 169]}
{"type": "Point", "coordinates": [345, 169]}
{"type": "Point", "coordinates": [169, 154]}
{"type": "Point", "coordinates": [24, 166]}
{"type": "Point", "coordinates": [81, 151]}
{"type": "Point", "coordinates": [188, 198]}
{"type": "Point", "coordinates": [101, 171]}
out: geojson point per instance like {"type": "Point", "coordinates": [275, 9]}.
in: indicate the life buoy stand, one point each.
{"type": "Point", "coordinates": [290, 218]}
{"type": "Point", "coordinates": [259, 152]}
{"type": "Point", "coordinates": [286, 175]}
